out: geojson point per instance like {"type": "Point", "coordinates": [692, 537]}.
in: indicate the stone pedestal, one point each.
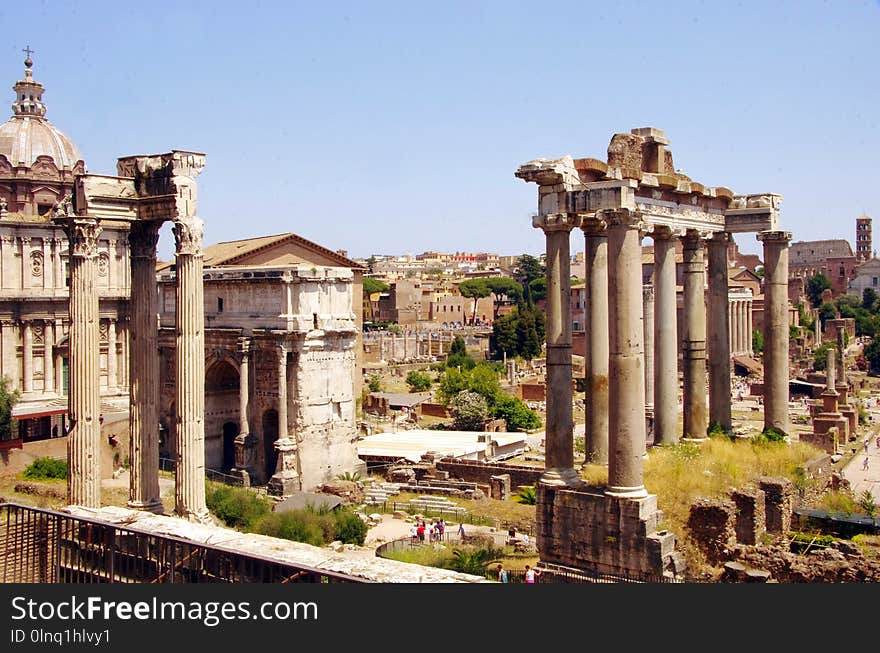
{"type": "Point", "coordinates": [596, 338]}
{"type": "Point", "coordinates": [694, 312]}
{"type": "Point", "coordinates": [286, 479]}
{"type": "Point", "coordinates": [143, 492]}
{"type": "Point", "coordinates": [776, 329]}
{"type": "Point", "coordinates": [665, 340]}
{"type": "Point", "coordinates": [189, 487]}
{"type": "Point", "coordinates": [559, 438]}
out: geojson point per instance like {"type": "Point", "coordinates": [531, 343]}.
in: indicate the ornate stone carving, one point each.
{"type": "Point", "coordinates": [104, 330]}
{"type": "Point", "coordinates": [83, 236]}
{"type": "Point", "coordinates": [64, 207]}
{"type": "Point", "coordinates": [188, 236]}
{"type": "Point", "coordinates": [3, 205]}
{"type": "Point", "coordinates": [556, 222]}
{"type": "Point", "coordinates": [37, 264]}
{"type": "Point", "coordinates": [37, 331]}
{"type": "Point", "coordinates": [143, 238]}
{"type": "Point", "coordinates": [103, 264]}
{"type": "Point", "coordinates": [625, 217]}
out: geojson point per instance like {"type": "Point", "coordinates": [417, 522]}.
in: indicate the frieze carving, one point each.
{"type": "Point", "coordinates": [37, 331]}
{"type": "Point", "coordinates": [104, 330]}
{"type": "Point", "coordinates": [37, 264]}
{"type": "Point", "coordinates": [188, 236]}
{"type": "Point", "coordinates": [103, 264]}
{"type": "Point", "coordinates": [83, 236]}
{"type": "Point", "coordinates": [64, 207]}
{"type": "Point", "coordinates": [143, 238]}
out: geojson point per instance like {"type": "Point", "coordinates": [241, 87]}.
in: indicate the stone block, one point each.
{"type": "Point", "coordinates": [711, 524]}
{"type": "Point", "coordinates": [778, 503]}
{"type": "Point", "coordinates": [750, 517]}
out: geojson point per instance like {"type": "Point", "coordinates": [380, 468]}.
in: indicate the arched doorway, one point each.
{"type": "Point", "coordinates": [230, 431]}
{"type": "Point", "coordinates": [270, 435]}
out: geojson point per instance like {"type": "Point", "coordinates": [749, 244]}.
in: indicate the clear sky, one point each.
{"type": "Point", "coordinates": [396, 127]}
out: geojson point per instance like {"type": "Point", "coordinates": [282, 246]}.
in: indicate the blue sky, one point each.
{"type": "Point", "coordinates": [385, 127]}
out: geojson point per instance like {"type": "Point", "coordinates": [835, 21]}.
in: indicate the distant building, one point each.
{"type": "Point", "coordinates": [867, 276]}
{"type": "Point", "coordinates": [863, 238]}
{"type": "Point", "coordinates": [833, 258]}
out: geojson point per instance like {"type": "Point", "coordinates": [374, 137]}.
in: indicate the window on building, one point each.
{"type": "Point", "coordinates": [219, 304]}
{"type": "Point", "coordinates": [44, 209]}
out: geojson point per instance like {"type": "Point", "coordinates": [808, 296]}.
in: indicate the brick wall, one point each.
{"type": "Point", "coordinates": [483, 472]}
{"type": "Point", "coordinates": [711, 523]}
{"type": "Point", "coordinates": [750, 517]}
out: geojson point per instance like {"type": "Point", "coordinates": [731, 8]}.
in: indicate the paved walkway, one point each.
{"type": "Point", "coordinates": [862, 479]}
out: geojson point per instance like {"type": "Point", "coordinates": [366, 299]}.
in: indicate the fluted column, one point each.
{"type": "Point", "coordinates": [626, 421]}
{"type": "Point", "coordinates": [243, 391]}
{"type": "Point", "coordinates": [731, 321]}
{"type": "Point", "coordinates": [648, 331]}
{"type": "Point", "coordinates": [9, 351]}
{"type": "Point", "coordinates": [111, 355]}
{"type": "Point", "coordinates": [665, 339]}
{"type": "Point", "coordinates": [58, 263]}
{"type": "Point", "coordinates": [143, 386]}
{"type": "Point", "coordinates": [749, 328]}
{"type": "Point", "coordinates": [48, 357]}
{"type": "Point", "coordinates": [286, 479]}
{"type": "Point", "coordinates": [743, 326]}
{"type": "Point", "coordinates": [559, 434]}
{"type": "Point", "coordinates": [83, 450]}
{"type": "Point", "coordinates": [27, 356]}
{"type": "Point", "coordinates": [190, 478]}
{"type": "Point", "coordinates": [694, 311]}
{"type": "Point", "coordinates": [718, 328]}
{"type": "Point", "coordinates": [24, 244]}
{"type": "Point", "coordinates": [775, 328]}
{"type": "Point", "coordinates": [596, 338]}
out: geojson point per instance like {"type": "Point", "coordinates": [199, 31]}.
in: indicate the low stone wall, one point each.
{"type": "Point", "coordinates": [434, 410]}
{"type": "Point", "coordinates": [482, 473]}
{"type": "Point", "coordinates": [779, 504]}
{"type": "Point", "coordinates": [712, 524]}
{"type": "Point", "coordinates": [586, 529]}
{"type": "Point", "coordinates": [750, 518]}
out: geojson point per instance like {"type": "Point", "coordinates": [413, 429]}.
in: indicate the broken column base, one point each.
{"type": "Point", "coordinates": [284, 484]}
{"type": "Point", "coordinates": [585, 528]}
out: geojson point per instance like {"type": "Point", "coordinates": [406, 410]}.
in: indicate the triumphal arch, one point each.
{"type": "Point", "coordinates": [634, 193]}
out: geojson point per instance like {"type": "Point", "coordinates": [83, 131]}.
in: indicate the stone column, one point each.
{"type": "Point", "coordinates": [245, 443]}
{"type": "Point", "coordinates": [744, 333]}
{"type": "Point", "coordinates": [749, 328]}
{"type": "Point", "coordinates": [83, 444]}
{"type": "Point", "coordinates": [190, 478]}
{"type": "Point", "coordinates": [596, 339]}
{"type": "Point", "coordinates": [111, 265]}
{"type": "Point", "coordinates": [286, 479]}
{"type": "Point", "coordinates": [626, 420]}
{"type": "Point", "coordinates": [559, 434]}
{"type": "Point", "coordinates": [381, 347]}
{"type": "Point", "coordinates": [731, 321]}
{"type": "Point", "coordinates": [648, 334]}
{"type": "Point", "coordinates": [25, 249]}
{"type": "Point", "coordinates": [10, 347]}
{"type": "Point", "coordinates": [27, 356]}
{"type": "Point", "coordinates": [58, 263]}
{"type": "Point", "coordinates": [694, 355]}
{"type": "Point", "coordinates": [48, 357]}
{"type": "Point", "coordinates": [112, 381]}
{"type": "Point", "coordinates": [430, 351]}
{"type": "Point", "coordinates": [775, 328]}
{"type": "Point", "coordinates": [665, 340]}
{"type": "Point", "coordinates": [6, 257]}
{"type": "Point", "coordinates": [48, 268]}
{"type": "Point", "coordinates": [59, 360]}
{"type": "Point", "coordinates": [719, 334]}
{"type": "Point", "coordinates": [143, 385]}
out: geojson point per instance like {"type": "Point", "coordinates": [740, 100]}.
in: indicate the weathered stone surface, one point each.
{"type": "Point", "coordinates": [750, 516]}
{"type": "Point", "coordinates": [711, 524]}
{"type": "Point", "coordinates": [779, 503]}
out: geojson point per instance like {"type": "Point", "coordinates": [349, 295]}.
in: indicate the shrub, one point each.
{"type": "Point", "coordinates": [294, 525]}
{"type": "Point", "coordinates": [375, 383]}
{"type": "Point", "coordinates": [236, 507]}
{"type": "Point", "coordinates": [350, 529]}
{"type": "Point", "coordinates": [516, 413]}
{"type": "Point", "coordinates": [46, 468]}
{"type": "Point", "coordinates": [773, 434]}
{"type": "Point", "coordinates": [469, 561]}
{"type": "Point", "coordinates": [418, 381]}
{"type": "Point", "coordinates": [470, 411]}
{"type": "Point", "coordinates": [527, 495]}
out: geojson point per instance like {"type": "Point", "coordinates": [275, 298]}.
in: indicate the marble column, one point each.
{"type": "Point", "coordinates": [596, 338]}
{"type": "Point", "coordinates": [25, 250]}
{"type": "Point", "coordinates": [143, 385]}
{"type": "Point", "coordinates": [6, 244]}
{"type": "Point", "coordinates": [718, 332]}
{"type": "Point", "coordinates": [648, 334]}
{"type": "Point", "coordinates": [245, 443]}
{"type": "Point", "coordinates": [775, 328]}
{"type": "Point", "coordinates": [665, 339]}
{"type": "Point", "coordinates": [189, 487]}
{"type": "Point", "coordinates": [83, 444]}
{"type": "Point", "coordinates": [10, 355]}
{"type": "Point", "coordinates": [749, 328]}
{"type": "Point", "coordinates": [731, 320]}
{"type": "Point", "coordinates": [626, 420]}
{"type": "Point", "coordinates": [286, 479]}
{"type": "Point", "coordinates": [743, 326]}
{"type": "Point", "coordinates": [59, 359]}
{"type": "Point", "coordinates": [48, 268]}
{"type": "Point", "coordinates": [559, 434]}
{"type": "Point", "coordinates": [111, 265]}
{"type": "Point", "coordinates": [48, 357]}
{"type": "Point", "coordinates": [694, 354]}
{"type": "Point", "coordinates": [27, 357]}
{"type": "Point", "coordinates": [112, 380]}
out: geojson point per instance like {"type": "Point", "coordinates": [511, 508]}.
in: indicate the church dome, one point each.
{"type": "Point", "coordinates": [28, 135]}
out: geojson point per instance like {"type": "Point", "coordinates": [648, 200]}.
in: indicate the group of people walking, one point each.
{"type": "Point", "coordinates": [422, 532]}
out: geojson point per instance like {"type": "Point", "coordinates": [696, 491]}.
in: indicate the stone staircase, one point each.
{"type": "Point", "coordinates": [379, 492]}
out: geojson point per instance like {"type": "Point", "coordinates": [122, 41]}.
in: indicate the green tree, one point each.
{"type": "Point", "coordinates": [516, 413]}
{"type": "Point", "coordinates": [538, 289]}
{"type": "Point", "coordinates": [503, 287]}
{"type": "Point", "coordinates": [869, 300]}
{"type": "Point", "coordinates": [820, 355]}
{"type": "Point", "coordinates": [477, 289]}
{"type": "Point", "coordinates": [484, 381]}
{"type": "Point", "coordinates": [475, 563]}
{"type": "Point", "coordinates": [528, 268]}
{"type": "Point", "coordinates": [827, 311]}
{"type": "Point", "coordinates": [418, 381]}
{"type": "Point", "coordinates": [530, 333]}
{"type": "Point", "coordinates": [815, 286]}
{"type": "Point", "coordinates": [452, 382]}
{"type": "Point", "coordinates": [504, 329]}
{"type": "Point", "coordinates": [8, 398]}
{"type": "Point", "coordinates": [374, 383]}
{"type": "Point", "coordinates": [757, 341]}
{"type": "Point", "coordinates": [469, 410]}
{"type": "Point", "coordinates": [872, 355]}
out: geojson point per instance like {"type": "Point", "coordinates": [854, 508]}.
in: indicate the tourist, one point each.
{"type": "Point", "coordinates": [865, 463]}
{"type": "Point", "coordinates": [461, 530]}
{"type": "Point", "coordinates": [502, 574]}
{"type": "Point", "coordinates": [532, 575]}
{"type": "Point", "coordinates": [421, 531]}
{"type": "Point", "coordinates": [440, 528]}
{"type": "Point", "coordinates": [414, 533]}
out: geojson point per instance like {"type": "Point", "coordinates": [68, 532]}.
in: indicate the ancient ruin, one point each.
{"type": "Point", "coordinates": [636, 193]}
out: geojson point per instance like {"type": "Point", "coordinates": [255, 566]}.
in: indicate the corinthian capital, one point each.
{"type": "Point", "coordinates": [188, 236]}
{"type": "Point", "coordinates": [83, 236]}
{"type": "Point", "coordinates": [624, 218]}
{"type": "Point", "coordinates": [556, 222]}
{"type": "Point", "coordinates": [143, 238]}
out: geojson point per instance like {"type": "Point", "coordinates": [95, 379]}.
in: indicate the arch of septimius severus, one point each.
{"type": "Point", "coordinates": [637, 193]}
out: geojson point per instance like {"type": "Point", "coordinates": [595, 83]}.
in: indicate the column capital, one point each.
{"type": "Point", "coordinates": [623, 218]}
{"type": "Point", "coordinates": [648, 292]}
{"type": "Point", "coordinates": [780, 237]}
{"type": "Point", "coordinates": [82, 233]}
{"type": "Point", "coordinates": [188, 236]}
{"type": "Point", "coordinates": [143, 237]}
{"type": "Point", "coordinates": [556, 222]}
{"type": "Point", "coordinates": [665, 232]}
{"type": "Point", "coordinates": [593, 225]}
{"type": "Point", "coordinates": [719, 238]}
{"type": "Point", "coordinates": [244, 347]}
{"type": "Point", "coordinates": [695, 238]}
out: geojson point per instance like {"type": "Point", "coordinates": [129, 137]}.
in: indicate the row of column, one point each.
{"type": "Point", "coordinates": [616, 326]}
{"type": "Point", "coordinates": [84, 436]}
{"type": "Point", "coordinates": [419, 350]}
{"type": "Point", "coordinates": [740, 318]}
{"type": "Point", "coordinates": [53, 372]}
{"type": "Point", "coordinates": [42, 263]}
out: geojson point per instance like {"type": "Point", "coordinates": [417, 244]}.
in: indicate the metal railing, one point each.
{"type": "Point", "coordinates": [44, 546]}
{"type": "Point", "coordinates": [170, 465]}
